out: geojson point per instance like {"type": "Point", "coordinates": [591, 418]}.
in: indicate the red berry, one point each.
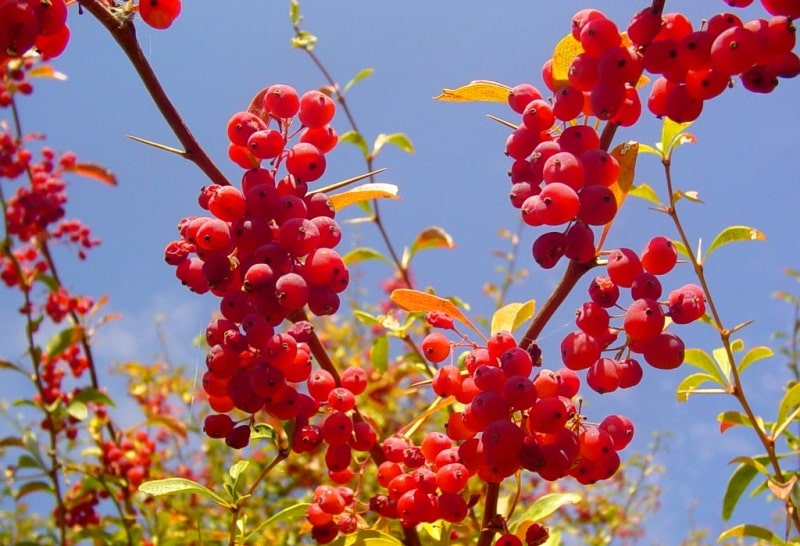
{"type": "Point", "coordinates": [159, 13]}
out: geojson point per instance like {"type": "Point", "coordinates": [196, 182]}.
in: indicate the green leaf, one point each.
{"type": "Point", "coordinates": [294, 12]}
{"type": "Point", "coordinates": [733, 234]}
{"type": "Point", "coordinates": [721, 357]}
{"type": "Point", "coordinates": [33, 487]}
{"type": "Point", "coordinates": [398, 139]}
{"type": "Point", "coordinates": [365, 318]}
{"type": "Point", "coordinates": [789, 402]}
{"type": "Point", "coordinates": [26, 461]}
{"type": "Point", "coordinates": [754, 531]}
{"type": "Point", "coordinates": [168, 486]}
{"type": "Point", "coordinates": [645, 149]}
{"type": "Point", "coordinates": [700, 359]}
{"type": "Point", "coordinates": [543, 507]}
{"type": "Point", "coordinates": [236, 470]}
{"type": "Point", "coordinates": [691, 382]}
{"type": "Point", "coordinates": [512, 316]}
{"type": "Point", "coordinates": [728, 419]}
{"type": "Point", "coordinates": [363, 254]}
{"type": "Point", "coordinates": [90, 394]}
{"type": "Point", "coordinates": [294, 512]}
{"type": "Point", "coordinates": [304, 40]}
{"type": "Point", "coordinates": [357, 140]}
{"type": "Point", "coordinates": [59, 343]}
{"type": "Point", "coordinates": [263, 431]}
{"type": "Point", "coordinates": [428, 238]}
{"type": "Point", "coordinates": [670, 131]}
{"type": "Point", "coordinates": [78, 410]}
{"type": "Point", "coordinates": [367, 537]}
{"type": "Point", "coordinates": [740, 480]}
{"type": "Point", "coordinates": [379, 353]}
{"type": "Point", "coordinates": [681, 248]}
{"type": "Point", "coordinates": [644, 191]}
{"type": "Point", "coordinates": [364, 73]}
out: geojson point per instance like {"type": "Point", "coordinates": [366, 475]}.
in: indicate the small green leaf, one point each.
{"type": "Point", "coordinates": [740, 480]}
{"type": "Point", "coordinates": [365, 318]}
{"type": "Point", "coordinates": [26, 461]}
{"type": "Point", "coordinates": [700, 359]}
{"type": "Point", "coordinates": [398, 139]}
{"type": "Point", "coordinates": [78, 410]}
{"type": "Point", "coordinates": [728, 419]}
{"type": "Point", "coordinates": [512, 316]}
{"type": "Point", "coordinates": [263, 431]}
{"type": "Point", "coordinates": [59, 343]}
{"type": "Point", "coordinates": [90, 394]}
{"type": "Point", "coordinates": [646, 149]}
{"type": "Point", "coordinates": [304, 40]}
{"type": "Point", "coordinates": [363, 254]}
{"type": "Point", "coordinates": [747, 530]}
{"type": "Point", "coordinates": [357, 140]}
{"type": "Point", "coordinates": [644, 191]}
{"type": "Point", "coordinates": [788, 403]}
{"type": "Point", "coordinates": [543, 507]}
{"type": "Point", "coordinates": [294, 512]}
{"type": "Point", "coordinates": [690, 384]}
{"type": "Point", "coordinates": [168, 486]}
{"type": "Point", "coordinates": [670, 130]}
{"type": "Point", "coordinates": [379, 353]}
{"type": "Point", "coordinates": [294, 12]}
{"type": "Point", "coordinates": [431, 237]}
{"type": "Point", "coordinates": [33, 487]}
{"type": "Point", "coordinates": [367, 537]}
{"type": "Point", "coordinates": [722, 360]}
{"type": "Point", "coordinates": [681, 248]}
{"type": "Point", "coordinates": [364, 73]}
{"type": "Point", "coordinates": [236, 470]}
{"type": "Point", "coordinates": [754, 462]}
{"type": "Point", "coordinates": [753, 355]}
{"type": "Point", "coordinates": [733, 234]}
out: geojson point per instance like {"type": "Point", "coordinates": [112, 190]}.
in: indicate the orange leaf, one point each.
{"type": "Point", "coordinates": [478, 90]}
{"type": "Point", "coordinates": [366, 192]}
{"type": "Point", "coordinates": [421, 302]}
{"type": "Point", "coordinates": [95, 171]}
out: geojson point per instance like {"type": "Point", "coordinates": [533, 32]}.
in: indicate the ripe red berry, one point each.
{"type": "Point", "coordinates": [159, 13]}
{"type": "Point", "coordinates": [436, 347]}
{"type": "Point", "coordinates": [665, 351]}
{"type": "Point", "coordinates": [316, 109]}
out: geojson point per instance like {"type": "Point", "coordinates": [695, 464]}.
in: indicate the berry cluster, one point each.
{"type": "Point", "coordinates": [266, 251]}
{"type": "Point", "coordinates": [129, 460]}
{"type": "Point", "coordinates": [535, 535]}
{"type": "Point", "coordinates": [25, 24]}
{"type": "Point", "coordinates": [332, 511]}
{"type": "Point", "coordinates": [643, 321]}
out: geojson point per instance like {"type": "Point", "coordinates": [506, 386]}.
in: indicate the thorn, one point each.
{"type": "Point", "coordinates": [157, 145]}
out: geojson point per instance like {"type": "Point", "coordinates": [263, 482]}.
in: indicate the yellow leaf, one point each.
{"type": "Point", "coordinates": [625, 154]}
{"type": "Point", "coordinates": [420, 302]}
{"type": "Point", "coordinates": [47, 71]}
{"type": "Point", "coordinates": [478, 90]}
{"type": "Point", "coordinates": [92, 170]}
{"type": "Point", "coordinates": [378, 190]}
{"type": "Point", "coordinates": [566, 49]}
{"type": "Point", "coordinates": [512, 316]}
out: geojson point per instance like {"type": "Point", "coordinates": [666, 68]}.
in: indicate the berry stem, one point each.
{"type": "Point", "coordinates": [124, 33]}
{"type": "Point", "coordinates": [737, 388]}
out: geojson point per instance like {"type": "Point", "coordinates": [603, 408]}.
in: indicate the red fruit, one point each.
{"type": "Point", "coordinates": [734, 50]}
{"type": "Point", "coordinates": [521, 95]}
{"type": "Point", "coordinates": [682, 107]}
{"type": "Point", "coordinates": [623, 266]}
{"type": "Point", "coordinates": [659, 256]}
{"type": "Point", "coordinates": [159, 13]}
{"type": "Point", "coordinates": [789, 8]}
{"type": "Point", "coordinates": [282, 101]}
{"type": "Point", "coordinates": [538, 116]}
{"type": "Point", "coordinates": [603, 376]}
{"type": "Point", "coordinates": [686, 304]}
{"type": "Point", "coordinates": [629, 372]}
{"type": "Point", "coordinates": [604, 292]}
{"type": "Point", "coordinates": [548, 248]}
{"type": "Point", "coordinates": [436, 347]}
{"type": "Point", "coordinates": [579, 350]}
{"type": "Point", "coordinates": [558, 204]}
{"type": "Point", "coordinates": [217, 425]}
{"type": "Point", "coordinates": [620, 428]}
{"type": "Point", "coordinates": [568, 103]}
{"type": "Point", "coordinates": [646, 285]}
{"type": "Point", "coordinates": [665, 351]}
{"type": "Point", "coordinates": [548, 415]}
{"type": "Point", "coordinates": [316, 109]}
{"type": "Point", "coordinates": [305, 162]}
{"type": "Point", "coordinates": [644, 26]}
{"type": "Point", "coordinates": [508, 539]}
{"type": "Point", "coordinates": [599, 35]}
{"type": "Point", "coordinates": [18, 28]}
{"type": "Point", "coordinates": [598, 205]}
{"type": "Point", "coordinates": [644, 319]}
{"type": "Point", "coordinates": [238, 437]}
{"type": "Point", "coordinates": [579, 243]}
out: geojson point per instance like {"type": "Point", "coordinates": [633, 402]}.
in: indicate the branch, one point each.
{"type": "Point", "coordinates": [120, 25]}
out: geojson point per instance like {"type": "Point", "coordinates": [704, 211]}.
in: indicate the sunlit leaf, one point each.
{"type": "Point", "coordinates": [681, 248]}
{"type": "Point", "coordinates": [236, 470]}
{"type": "Point", "coordinates": [170, 422]}
{"type": "Point", "coordinates": [478, 90]}
{"type": "Point", "coordinates": [722, 360]}
{"type": "Point", "coordinates": [416, 301]}
{"type": "Point", "coordinates": [93, 171]}
{"type": "Point", "coordinates": [59, 343]}
{"type": "Point", "coordinates": [691, 382]}
{"type": "Point", "coordinates": [366, 192]}
{"type": "Point", "coordinates": [733, 234]}
{"type": "Point", "coordinates": [701, 359]}
{"type": "Point", "coordinates": [730, 419]}
{"type": "Point", "coordinates": [367, 537]}
{"type": "Point", "coordinates": [366, 318]}
{"type": "Point", "coordinates": [363, 254]}
{"type": "Point", "coordinates": [512, 316]}
{"type": "Point", "coordinates": [46, 71]}
{"type": "Point", "coordinates": [90, 394]}
{"type": "Point", "coordinates": [169, 486]}
{"type": "Point", "coordinates": [364, 73]}
{"type": "Point", "coordinates": [754, 531]}
{"type": "Point", "coordinates": [294, 12]}
{"type": "Point", "coordinates": [753, 355]}
{"type": "Point", "coordinates": [644, 191]}
{"type": "Point", "coordinates": [647, 149]}
{"type": "Point", "coordinates": [626, 154]}
{"type": "Point", "coordinates": [565, 51]}
{"type": "Point", "coordinates": [740, 480]}
{"type": "Point", "coordinates": [669, 132]}
{"type": "Point", "coordinates": [543, 507]}
{"type": "Point", "coordinates": [77, 410]}
{"type": "Point", "coordinates": [263, 431]}
{"type": "Point", "coordinates": [789, 402]}
{"type": "Point", "coordinates": [33, 487]}
{"type": "Point", "coordinates": [379, 353]}
{"type": "Point", "coordinates": [357, 140]}
{"type": "Point", "coordinates": [294, 512]}
{"type": "Point", "coordinates": [304, 40]}
{"type": "Point", "coordinates": [429, 238]}
{"type": "Point", "coordinates": [398, 139]}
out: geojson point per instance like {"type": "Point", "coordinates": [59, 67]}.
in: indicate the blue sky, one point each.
{"type": "Point", "coordinates": [219, 54]}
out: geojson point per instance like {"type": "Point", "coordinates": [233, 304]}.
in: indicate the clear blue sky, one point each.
{"type": "Point", "coordinates": [218, 54]}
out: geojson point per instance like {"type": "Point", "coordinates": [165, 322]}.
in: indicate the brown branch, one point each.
{"type": "Point", "coordinates": [119, 24]}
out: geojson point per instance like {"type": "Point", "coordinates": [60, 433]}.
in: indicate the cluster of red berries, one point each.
{"type": "Point", "coordinates": [697, 65]}
{"type": "Point", "coordinates": [25, 24]}
{"type": "Point", "coordinates": [159, 14]}
{"type": "Point", "coordinates": [564, 180]}
{"type": "Point", "coordinates": [332, 511]}
{"type": "Point", "coordinates": [535, 535]}
{"type": "Point", "coordinates": [130, 459]}
{"type": "Point", "coordinates": [643, 321]}
{"type": "Point", "coordinates": [79, 507]}
{"type": "Point", "coordinates": [266, 251]}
